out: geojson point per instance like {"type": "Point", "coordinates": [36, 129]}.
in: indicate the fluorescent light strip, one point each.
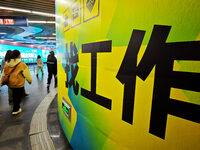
{"type": "Point", "coordinates": [28, 11]}
{"type": "Point", "coordinates": [29, 21]}
{"type": "Point", "coordinates": [34, 21]}
{"type": "Point", "coordinates": [48, 45]}
{"type": "Point", "coordinates": [3, 33]}
{"type": "Point", "coordinates": [34, 42]}
{"type": "Point", "coordinates": [15, 9]}
{"type": "Point", "coordinates": [64, 2]}
{"type": "Point", "coordinates": [45, 37]}
{"type": "Point", "coordinates": [51, 41]}
{"type": "Point", "coordinates": [50, 22]}
{"type": "Point", "coordinates": [43, 13]}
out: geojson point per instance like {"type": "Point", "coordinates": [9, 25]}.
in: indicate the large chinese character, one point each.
{"type": "Point", "coordinates": [127, 74]}
{"type": "Point", "coordinates": [72, 66]}
{"type": "Point", "coordinates": [94, 48]}
{"type": "Point", "coordinates": [163, 54]}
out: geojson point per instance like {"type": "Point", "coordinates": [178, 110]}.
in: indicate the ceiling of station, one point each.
{"type": "Point", "coordinates": [47, 6]}
{"type": "Point", "coordinates": [30, 35]}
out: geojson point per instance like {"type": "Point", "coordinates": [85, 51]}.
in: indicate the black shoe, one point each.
{"type": "Point", "coordinates": [27, 93]}
{"type": "Point", "coordinates": [37, 75]}
{"type": "Point", "coordinates": [17, 112]}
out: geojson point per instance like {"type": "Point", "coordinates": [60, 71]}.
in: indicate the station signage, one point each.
{"type": "Point", "coordinates": [13, 21]}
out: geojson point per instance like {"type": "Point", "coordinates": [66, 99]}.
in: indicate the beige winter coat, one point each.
{"type": "Point", "coordinates": [39, 62]}
{"type": "Point", "coordinates": [17, 77]}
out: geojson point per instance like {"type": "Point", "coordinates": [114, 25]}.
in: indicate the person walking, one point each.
{"type": "Point", "coordinates": [40, 65]}
{"type": "Point", "coordinates": [52, 69]}
{"type": "Point", "coordinates": [7, 56]}
{"type": "Point", "coordinates": [4, 61]}
{"type": "Point", "coordinates": [18, 72]}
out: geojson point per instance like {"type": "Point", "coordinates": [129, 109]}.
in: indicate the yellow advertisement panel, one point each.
{"type": "Point", "coordinates": [128, 74]}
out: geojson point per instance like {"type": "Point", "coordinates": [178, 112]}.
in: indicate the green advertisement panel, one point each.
{"type": "Point", "coordinates": [129, 74]}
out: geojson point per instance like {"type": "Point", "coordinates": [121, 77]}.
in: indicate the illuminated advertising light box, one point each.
{"type": "Point", "coordinates": [130, 72]}
{"type": "Point", "coordinates": [28, 55]}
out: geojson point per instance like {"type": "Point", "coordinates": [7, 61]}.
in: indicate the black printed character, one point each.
{"type": "Point", "coordinates": [162, 55]}
{"type": "Point", "coordinates": [127, 74]}
{"type": "Point", "coordinates": [72, 66]}
{"type": "Point", "coordinates": [94, 48]}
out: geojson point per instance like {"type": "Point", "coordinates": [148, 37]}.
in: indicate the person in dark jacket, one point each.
{"type": "Point", "coordinates": [52, 69]}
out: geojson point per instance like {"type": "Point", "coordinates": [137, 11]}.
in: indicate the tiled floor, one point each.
{"type": "Point", "coordinates": [14, 130]}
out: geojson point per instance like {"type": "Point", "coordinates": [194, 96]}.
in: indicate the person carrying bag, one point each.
{"type": "Point", "coordinates": [18, 72]}
{"type": "Point", "coordinates": [5, 77]}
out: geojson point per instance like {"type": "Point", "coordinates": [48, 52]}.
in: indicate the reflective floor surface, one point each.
{"type": "Point", "coordinates": [14, 129]}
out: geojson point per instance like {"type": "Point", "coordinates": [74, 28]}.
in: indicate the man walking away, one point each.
{"type": "Point", "coordinates": [52, 69]}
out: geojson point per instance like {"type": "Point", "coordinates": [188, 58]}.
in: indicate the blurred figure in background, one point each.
{"type": "Point", "coordinates": [40, 65]}
{"type": "Point", "coordinates": [52, 69]}
{"type": "Point", "coordinates": [18, 72]}
{"type": "Point", "coordinates": [4, 61]}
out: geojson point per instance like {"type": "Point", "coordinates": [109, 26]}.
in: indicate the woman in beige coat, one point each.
{"type": "Point", "coordinates": [19, 72]}
{"type": "Point", "coordinates": [40, 65]}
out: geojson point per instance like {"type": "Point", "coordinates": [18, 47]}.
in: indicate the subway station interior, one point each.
{"type": "Point", "coordinates": [127, 75]}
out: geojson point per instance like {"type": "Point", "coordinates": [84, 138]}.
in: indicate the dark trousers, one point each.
{"type": "Point", "coordinates": [10, 97]}
{"type": "Point", "coordinates": [17, 94]}
{"type": "Point", "coordinates": [50, 77]}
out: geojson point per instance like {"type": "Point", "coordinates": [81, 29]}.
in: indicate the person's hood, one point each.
{"type": "Point", "coordinates": [13, 62]}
